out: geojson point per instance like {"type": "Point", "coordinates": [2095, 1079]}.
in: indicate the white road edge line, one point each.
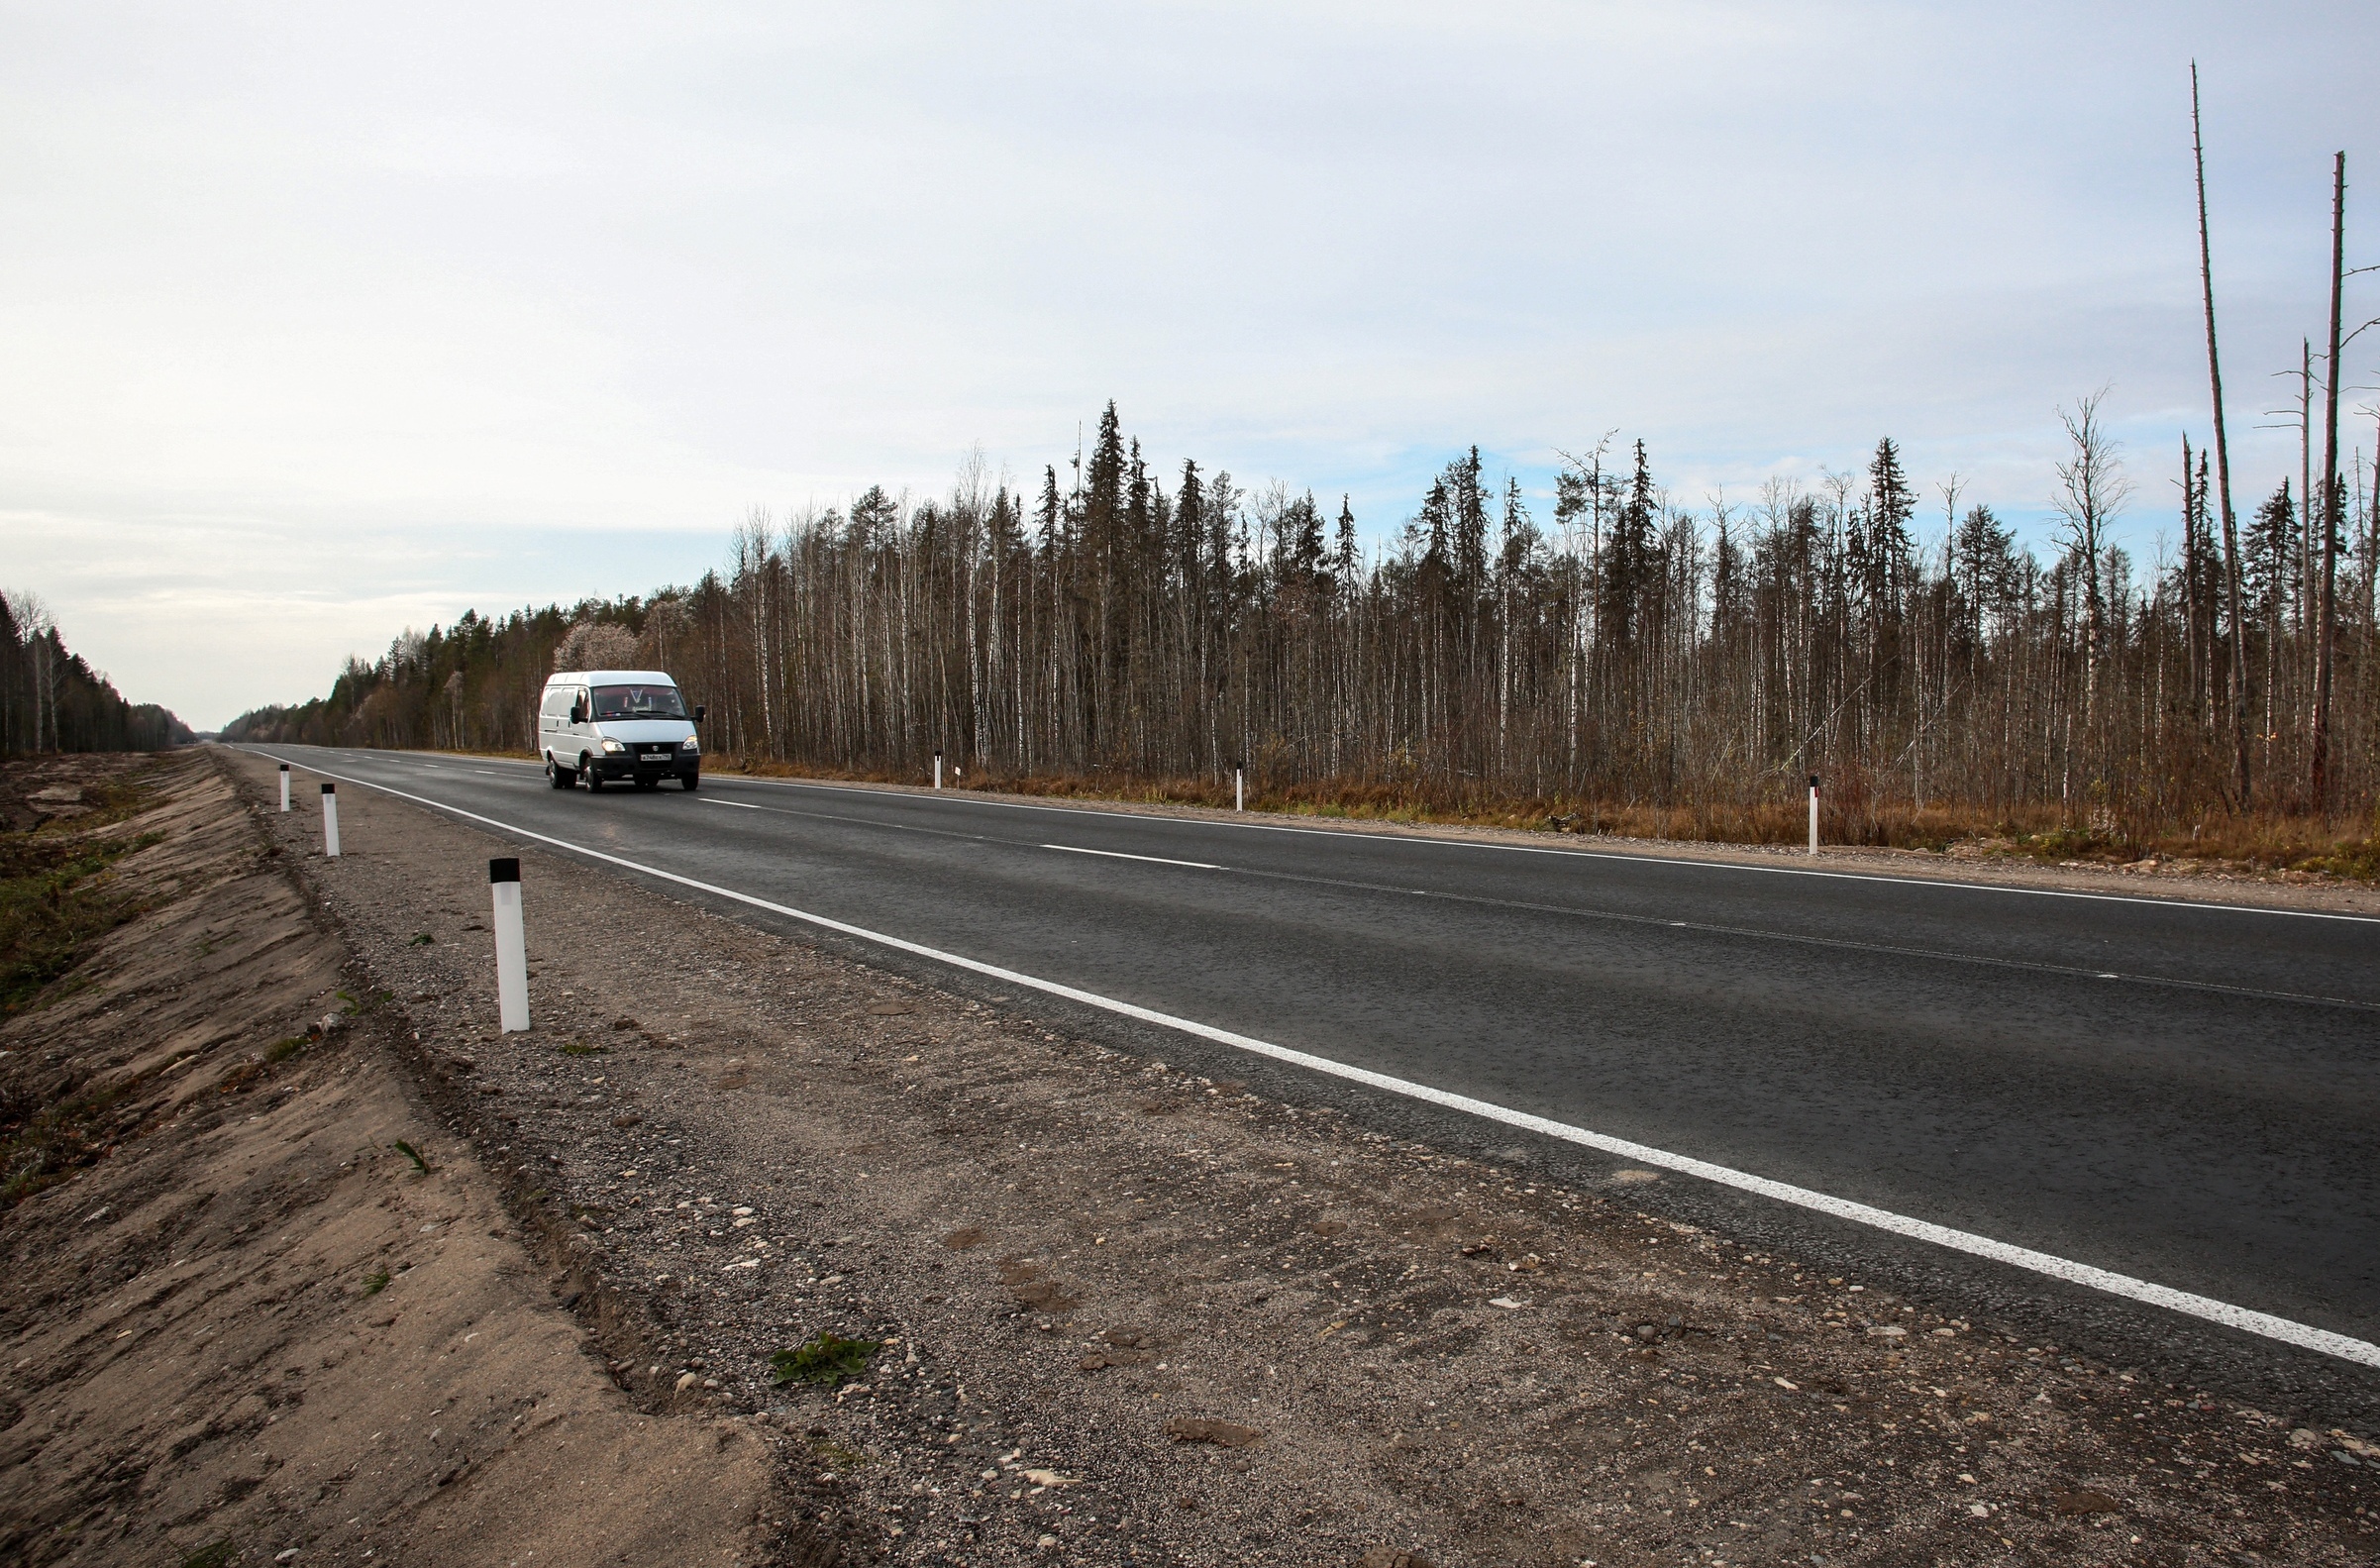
{"type": "Point", "coordinates": [1112, 853]}
{"type": "Point", "coordinates": [740, 805]}
{"type": "Point", "coordinates": [2288, 1331]}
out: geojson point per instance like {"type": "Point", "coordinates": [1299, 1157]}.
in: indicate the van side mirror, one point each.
{"type": "Point", "coordinates": [698, 711]}
{"type": "Point", "coordinates": [579, 714]}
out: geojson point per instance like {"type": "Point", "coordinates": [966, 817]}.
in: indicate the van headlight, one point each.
{"type": "Point", "coordinates": [612, 746]}
{"type": "Point", "coordinates": [688, 745]}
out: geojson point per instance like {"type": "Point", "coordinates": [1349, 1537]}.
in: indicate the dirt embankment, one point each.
{"type": "Point", "coordinates": [1109, 1312]}
{"type": "Point", "coordinates": [241, 1324]}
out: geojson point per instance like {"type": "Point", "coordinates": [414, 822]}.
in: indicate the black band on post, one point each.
{"type": "Point", "coordinates": [504, 869]}
{"type": "Point", "coordinates": [329, 788]}
{"type": "Point", "coordinates": [1814, 780]}
{"type": "Point", "coordinates": [284, 766]}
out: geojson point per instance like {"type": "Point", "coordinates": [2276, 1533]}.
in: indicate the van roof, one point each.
{"type": "Point", "coordinates": [611, 678]}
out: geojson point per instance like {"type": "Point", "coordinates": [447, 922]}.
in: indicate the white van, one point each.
{"type": "Point", "coordinates": [625, 725]}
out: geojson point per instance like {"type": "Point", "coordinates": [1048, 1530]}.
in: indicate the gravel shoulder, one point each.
{"type": "Point", "coordinates": [1122, 1312]}
{"type": "Point", "coordinates": [252, 1328]}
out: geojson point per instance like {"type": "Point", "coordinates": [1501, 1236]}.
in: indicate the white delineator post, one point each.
{"type": "Point", "coordinates": [1239, 788]}
{"type": "Point", "coordinates": [330, 820]}
{"type": "Point", "coordinates": [1814, 813]}
{"type": "Point", "coordinates": [285, 787]}
{"type": "Point", "coordinates": [938, 770]}
{"type": "Point", "coordinates": [512, 945]}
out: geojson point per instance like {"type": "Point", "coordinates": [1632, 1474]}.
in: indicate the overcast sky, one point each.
{"type": "Point", "coordinates": [322, 320]}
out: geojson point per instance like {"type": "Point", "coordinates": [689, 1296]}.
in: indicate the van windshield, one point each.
{"type": "Point", "coordinates": [636, 703]}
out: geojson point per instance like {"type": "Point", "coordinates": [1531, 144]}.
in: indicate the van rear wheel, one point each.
{"type": "Point", "coordinates": [557, 775]}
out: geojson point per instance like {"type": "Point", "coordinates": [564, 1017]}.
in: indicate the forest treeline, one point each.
{"type": "Point", "coordinates": [53, 702]}
{"type": "Point", "coordinates": [1624, 655]}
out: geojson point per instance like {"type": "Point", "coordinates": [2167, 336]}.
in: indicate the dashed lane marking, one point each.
{"type": "Point", "coordinates": [1153, 860]}
{"type": "Point", "coordinates": [1360, 835]}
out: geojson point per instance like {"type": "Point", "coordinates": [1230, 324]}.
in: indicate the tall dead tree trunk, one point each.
{"type": "Point", "coordinates": [2327, 633]}
{"type": "Point", "coordinates": [2223, 469]}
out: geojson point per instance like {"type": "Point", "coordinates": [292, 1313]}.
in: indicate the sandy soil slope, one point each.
{"type": "Point", "coordinates": [255, 1330]}
{"type": "Point", "coordinates": [1127, 1313]}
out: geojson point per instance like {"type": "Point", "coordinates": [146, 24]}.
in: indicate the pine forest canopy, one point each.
{"type": "Point", "coordinates": [1133, 627]}
{"type": "Point", "coordinates": [51, 700]}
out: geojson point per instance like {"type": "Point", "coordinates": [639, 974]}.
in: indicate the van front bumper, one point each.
{"type": "Point", "coordinates": [646, 765]}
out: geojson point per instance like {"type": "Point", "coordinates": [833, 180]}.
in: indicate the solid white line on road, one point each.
{"type": "Point", "coordinates": [2285, 1330]}
{"type": "Point", "coordinates": [738, 804]}
{"type": "Point", "coordinates": [1153, 860]}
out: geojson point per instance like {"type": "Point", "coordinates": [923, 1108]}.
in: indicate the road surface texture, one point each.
{"type": "Point", "coordinates": [1430, 1332]}
{"type": "Point", "coordinates": [2183, 1094]}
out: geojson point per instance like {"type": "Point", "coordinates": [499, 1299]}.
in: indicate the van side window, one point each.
{"type": "Point", "coordinates": [557, 701]}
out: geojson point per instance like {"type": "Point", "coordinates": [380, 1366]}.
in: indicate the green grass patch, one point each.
{"type": "Point", "coordinates": [421, 1167]}
{"type": "Point", "coordinates": [581, 1048]}
{"type": "Point", "coordinates": [283, 1049]}
{"type": "Point", "coordinates": [376, 1282]}
{"type": "Point", "coordinates": [421, 939]}
{"type": "Point", "coordinates": [56, 896]}
{"type": "Point", "coordinates": [215, 1554]}
{"type": "Point", "coordinates": [2358, 859]}
{"type": "Point", "coordinates": [827, 1358]}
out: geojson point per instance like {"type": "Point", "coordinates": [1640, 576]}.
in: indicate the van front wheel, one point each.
{"type": "Point", "coordinates": [594, 779]}
{"type": "Point", "coordinates": [689, 783]}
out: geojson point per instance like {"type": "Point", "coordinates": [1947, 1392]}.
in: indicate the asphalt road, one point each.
{"type": "Point", "coordinates": [2187, 1095]}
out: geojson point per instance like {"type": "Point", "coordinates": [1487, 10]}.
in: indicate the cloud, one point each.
{"type": "Point", "coordinates": [322, 322]}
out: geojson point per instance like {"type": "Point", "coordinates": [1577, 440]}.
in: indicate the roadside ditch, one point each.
{"type": "Point", "coordinates": [261, 1301]}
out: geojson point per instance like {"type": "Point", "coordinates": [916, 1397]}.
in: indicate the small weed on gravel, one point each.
{"type": "Point", "coordinates": [827, 1358]}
